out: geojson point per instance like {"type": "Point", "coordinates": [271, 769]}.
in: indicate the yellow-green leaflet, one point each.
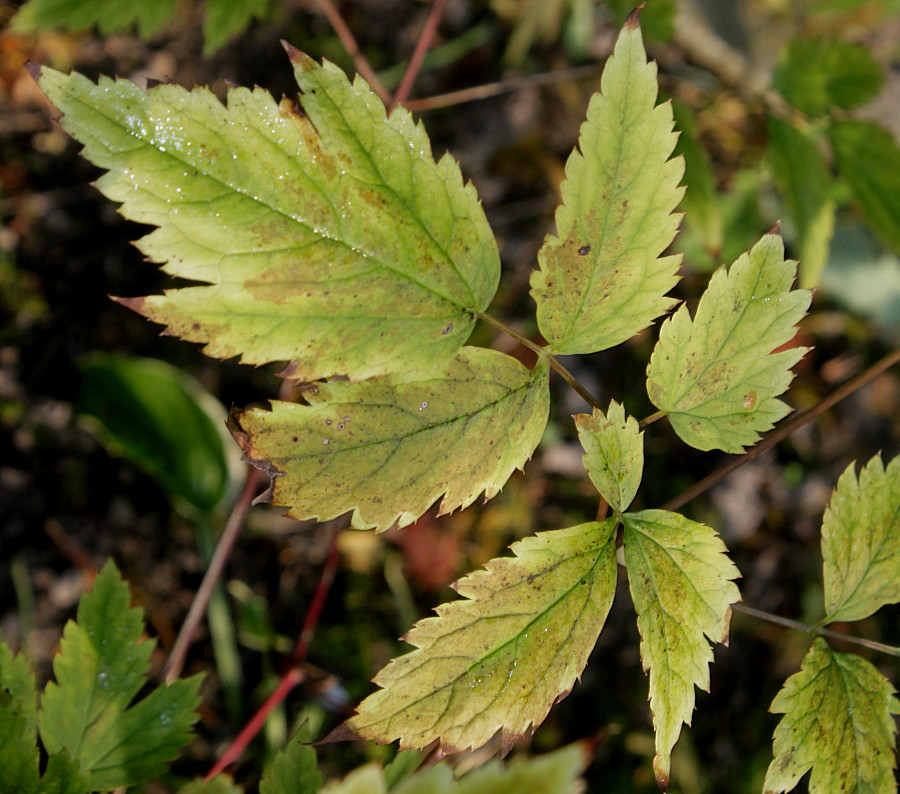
{"type": "Point", "coordinates": [861, 542]}
{"type": "Point", "coordinates": [837, 722]}
{"type": "Point", "coordinates": [388, 448]}
{"type": "Point", "coordinates": [680, 580]}
{"type": "Point", "coordinates": [715, 375]}
{"type": "Point", "coordinates": [602, 278]}
{"type": "Point", "coordinates": [614, 453]}
{"type": "Point", "coordinates": [498, 660]}
{"type": "Point", "coordinates": [328, 237]}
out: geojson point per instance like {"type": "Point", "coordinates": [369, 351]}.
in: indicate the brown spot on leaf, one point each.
{"type": "Point", "coordinates": [584, 250]}
{"type": "Point", "coordinates": [448, 329]}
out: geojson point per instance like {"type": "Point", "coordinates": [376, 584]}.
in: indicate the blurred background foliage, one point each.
{"type": "Point", "coordinates": [789, 110]}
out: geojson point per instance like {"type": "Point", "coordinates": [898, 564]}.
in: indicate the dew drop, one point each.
{"type": "Point", "coordinates": [423, 406]}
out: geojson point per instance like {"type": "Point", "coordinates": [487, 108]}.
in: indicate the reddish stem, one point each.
{"type": "Point", "coordinates": [415, 63]}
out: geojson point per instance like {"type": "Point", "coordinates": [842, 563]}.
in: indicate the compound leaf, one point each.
{"type": "Point", "coordinates": [293, 771]}
{"type": "Point", "coordinates": [389, 447]}
{"type": "Point", "coordinates": [838, 723]}
{"type": "Point", "coordinates": [815, 75]}
{"type": "Point", "coordinates": [109, 16]}
{"type": "Point", "coordinates": [803, 177]}
{"type": "Point", "coordinates": [868, 158]}
{"type": "Point", "coordinates": [680, 581]}
{"type": "Point", "coordinates": [614, 453]}
{"type": "Point", "coordinates": [861, 542]}
{"type": "Point", "coordinates": [601, 279]}
{"type": "Point", "coordinates": [499, 659]}
{"type": "Point", "coordinates": [716, 376]}
{"type": "Point", "coordinates": [99, 670]}
{"type": "Point", "coordinates": [329, 237]}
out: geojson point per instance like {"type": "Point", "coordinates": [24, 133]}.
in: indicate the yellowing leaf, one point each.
{"type": "Point", "coordinates": [389, 447]}
{"type": "Point", "coordinates": [716, 376]}
{"type": "Point", "coordinates": [328, 237]}
{"type": "Point", "coordinates": [680, 580]}
{"type": "Point", "coordinates": [861, 542]}
{"type": "Point", "coordinates": [499, 659]}
{"type": "Point", "coordinates": [838, 723]}
{"type": "Point", "coordinates": [601, 279]}
{"type": "Point", "coordinates": [614, 453]}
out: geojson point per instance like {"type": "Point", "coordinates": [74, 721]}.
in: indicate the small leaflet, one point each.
{"type": "Point", "coordinates": [837, 722]}
{"type": "Point", "coordinates": [101, 666]}
{"type": "Point", "coordinates": [500, 658]}
{"type": "Point", "coordinates": [861, 542]}
{"type": "Point", "coordinates": [328, 236]}
{"type": "Point", "coordinates": [716, 375]}
{"type": "Point", "coordinates": [614, 453]}
{"type": "Point", "coordinates": [601, 277]}
{"type": "Point", "coordinates": [388, 448]}
{"type": "Point", "coordinates": [293, 771]}
{"type": "Point", "coordinates": [681, 583]}
{"type": "Point", "coordinates": [803, 176]}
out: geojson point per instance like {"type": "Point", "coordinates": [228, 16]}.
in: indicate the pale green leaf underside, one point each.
{"type": "Point", "coordinates": [99, 670]}
{"type": "Point", "coordinates": [601, 279]}
{"type": "Point", "coordinates": [680, 581]}
{"type": "Point", "coordinates": [716, 376]}
{"type": "Point", "coordinates": [614, 453]}
{"type": "Point", "coordinates": [802, 175]}
{"type": "Point", "coordinates": [838, 723]}
{"type": "Point", "coordinates": [328, 237]}
{"type": "Point", "coordinates": [499, 659]}
{"type": "Point", "coordinates": [861, 542]}
{"type": "Point", "coordinates": [389, 447]}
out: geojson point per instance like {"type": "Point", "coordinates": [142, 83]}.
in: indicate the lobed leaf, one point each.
{"type": "Point", "coordinates": [817, 74]}
{"type": "Point", "coordinates": [602, 279]}
{"type": "Point", "coordinates": [837, 723]}
{"type": "Point", "coordinates": [861, 542]}
{"type": "Point", "coordinates": [499, 659]}
{"type": "Point", "coordinates": [802, 175]}
{"type": "Point", "coordinates": [715, 376]}
{"type": "Point", "coordinates": [868, 157]}
{"type": "Point", "coordinates": [614, 453]}
{"type": "Point", "coordinates": [327, 236]}
{"type": "Point", "coordinates": [293, 771]}
{"type": "Point", "coordinates": [17, 679]}
{"type": "Point", "coordinates": [680, 580]}
{"type": "Point", "coordinates": [99, 670]}
{"type": "Point", "coordinates": [388, 448]}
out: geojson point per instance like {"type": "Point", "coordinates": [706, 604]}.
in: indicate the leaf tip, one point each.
{"type": "Point", "coordinates": [776, 229]}
{"type": "Point", "coordinates": [661, 772]}
{"type": "Point", "coordinates": [343, 733]}
{"type": "Point", "coordinates": [135, 304]}
{"type": "Point", "coordinates": [634, 18]}
{"type": "Point", "coordinates": [34, 69]}
{"type": "Point", "coordinates": [297, 57]}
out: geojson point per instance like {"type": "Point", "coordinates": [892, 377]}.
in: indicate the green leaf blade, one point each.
{"type": "Point", "coordinates": [602, 278]}
{"type": "Point", "coordinates": [99, 670]}
{"type": "Point", "coordinates": [293, 771]}
{"type": "Point", "coordinates": [389, 447]}
{"type": "Point", "coordinates": [837, 723]}
{"type": "Point", "coordinates": [802, 175]}
{"type": "Point", "coordinates": [715, 375]}
{"type": "Point", "coordinates": [868, 158]}
{"type": "Point", "coordinates": [499, 659]}
{"type": "Point", "coordinates": [815, 75]}
{"type": "Point", "coordinates": [109, 16]}
{"type": "Point", "coordinates": [861, 542]}
{"type": "Point", "coordinates": [681, 584]}
{"type": "Point", "coordinates": [351, 252]}
{"type": "Point", "coordinates": [614, 453]}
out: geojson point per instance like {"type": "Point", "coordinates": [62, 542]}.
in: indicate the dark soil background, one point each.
{"type": "Point", "coordinates": [67, 504]}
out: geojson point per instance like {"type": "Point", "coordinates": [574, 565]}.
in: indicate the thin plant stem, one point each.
{"type": "Point", "coordinates": [292, 675]}
{"type": "Point", "coordinates": [418, 56]}
{"type": "Point", "coordinates": [489, 90]}
{"type": "Point", "coordinates": [348, 40]}
{"type": "Point", "coordinates": [553, 362]}
{"type": "Point", "coordinates": [175, 662]}
{"type": "Point", "coordinates": [782, 432]}
{"type": "Point", "coordinates": [287, 683]}
{"type": "Point", "coordinates": [652, 418]}
{"type": "Point", "coordinates": [795, 624]}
